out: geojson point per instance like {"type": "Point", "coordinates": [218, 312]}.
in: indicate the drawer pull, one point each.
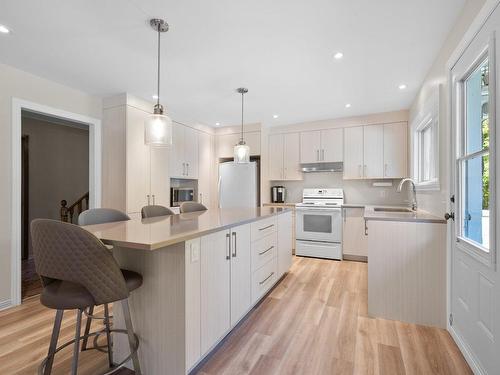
{"type": "Point", "coordinates": [269, 226]}
{"type": "Point", "coordinates": [267, 278]}
{"type": "Point", "coordinates": [265, 251]}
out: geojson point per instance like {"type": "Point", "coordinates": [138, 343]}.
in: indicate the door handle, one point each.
{"type": "Point", "coordinates": [228, 246]}
{"type": "Point", "coordinates": [234, 243]}
{"type": "Point", "coordinates": [449, 216]}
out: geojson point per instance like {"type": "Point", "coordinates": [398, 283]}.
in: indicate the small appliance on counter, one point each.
{"type": "Point", "coordinates": [179, 195]}
{"type": "Point", "coordinates": [278, 194]}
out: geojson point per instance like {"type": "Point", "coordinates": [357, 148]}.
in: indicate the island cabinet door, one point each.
{"type": "Point", "coordinates": [241, 273]}
{"type": "Point", "coordinates": [215, 288]}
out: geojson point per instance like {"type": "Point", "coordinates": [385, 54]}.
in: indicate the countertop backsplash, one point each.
{"type": "Point", "coordinates": [355, 191]}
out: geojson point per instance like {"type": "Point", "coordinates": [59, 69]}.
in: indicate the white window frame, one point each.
{"type": "Point", "coordinates": [427, 118]}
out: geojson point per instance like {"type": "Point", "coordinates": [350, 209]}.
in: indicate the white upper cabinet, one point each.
{"type": "Point", "coordinates": [291, 157]}
{"type": "Point", "coordinates": [184, 152]}
{"type": "Point", "coordinates": [321, 146]}
{"type": "Point", "coordinates": [276, 157]}
{"type": "Point", "coordinates": [284, 160]}
{"type": "Point", "coordinates": [226, 143]}
{"type": "Point", "coordinates": [353, 152]}
{"type": "Point", "coordinates": [395, 146]}
{"type": "Point", "coordinates": [160, 182]}
{"type": "Point", "coordinates": [206, 168]}
{"type": "Point", "coordinates": [373, 151]}
{"type": "Point", "coordinates": [310, 145]}
{"type": "Point", "coordinates": [332, 145]}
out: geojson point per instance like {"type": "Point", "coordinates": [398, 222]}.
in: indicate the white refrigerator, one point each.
{"type": "Point", "coordinates": [238, 185]}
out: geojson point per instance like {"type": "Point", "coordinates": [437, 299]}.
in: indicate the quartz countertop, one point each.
{"type": "Point", "coordinates": [157, 232]}
{"type": "Point", "coordinates": [286, 204]}
{"type": "Point", "coordinates": [419, 216]}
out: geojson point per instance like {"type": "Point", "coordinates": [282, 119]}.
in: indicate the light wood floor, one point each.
{"type": "Point", "coordinates": [314, 322]}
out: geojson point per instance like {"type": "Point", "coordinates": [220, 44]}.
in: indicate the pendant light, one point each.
{"type": "Point", "coordinates": [158, 127]}
{"type": "Point", "coordinates": [241, 150]}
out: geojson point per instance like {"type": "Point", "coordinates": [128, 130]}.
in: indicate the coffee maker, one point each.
{"type": "Point", "coordinates": [278, 194]}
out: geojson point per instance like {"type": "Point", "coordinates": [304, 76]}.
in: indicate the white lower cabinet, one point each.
{"type": "Point", "coordinates": [215, 293]}
{"type": "Point", "coordinates": [241, 273]}
{"type": "Point", "coordinates": [193, 301]}
{"type": "Point", "coordinates": [354, 240]}
{"type": "Point", "coordinates": [263, 279]}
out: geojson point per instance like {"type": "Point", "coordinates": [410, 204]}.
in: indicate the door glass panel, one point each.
{"type": "Point", "coordinates": [317, 223]}
{"type": "Point", "coordinates": [476, 107]}
{"type": "Point", "coordinates": [475, 211]}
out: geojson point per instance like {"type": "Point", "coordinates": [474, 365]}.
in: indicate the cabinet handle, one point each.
{"type": "Point", "coordinates": [323, 155]}
{"type": "Point", "coordinates": [317, 155]}
{"type": "Point", "coordinates": [265, 251]}
{"type": "Point", "coordinates": [234, 243]}
{"type": "Point", "coordinates": [366, 228]}
{"type": "Point", "coordinates": [183, 169]}
{"type": "Point", "coordinates": [201, 198]}
{"type": "Point", "coordinates": [385, 170]}
{"type": "Point", "coordinates": [187, 169]}
{"type": "Point", "coordinates": [267, 278]}
{"type": "Point", "coordinates": [149, 201]}
{"type": "Point", "coordinates": [344, 211]}
{"type": "Point", "coordinates": [364, 170]}
{"type": "Point", "coordinates": [269, 226]}
{"type": "Point", "coordinates": [228, 246]}
{"type": "Point", "coordinates": [359, 170]}
{"type": "Point", "coordinates": [153, 199]}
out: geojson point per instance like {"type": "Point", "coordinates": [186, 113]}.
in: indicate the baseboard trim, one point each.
{"type": "Point", "coordinates": [355, 258]}
{"type": "Point", "coordinates": [5, 304]}
{"type": "Point", "coordinates": [468, 355]}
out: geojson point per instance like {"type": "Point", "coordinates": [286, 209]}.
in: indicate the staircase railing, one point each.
{"type": "Point", "coordinates": [80, 205]}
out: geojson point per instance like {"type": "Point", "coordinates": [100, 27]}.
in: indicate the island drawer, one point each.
{"type": "Point", "coordinates": [262, 228]}
{"type": "Point", "coordinates": [264, 250]}
{"type": "Point", "coordinates": [263, 279]}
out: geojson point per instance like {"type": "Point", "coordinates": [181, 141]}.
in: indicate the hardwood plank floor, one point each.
{"type": "Point", "coordinates": [314, 322]}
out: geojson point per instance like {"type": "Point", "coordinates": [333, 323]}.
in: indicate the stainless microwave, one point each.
{"type": "Point", "coordinates": [179, 195]}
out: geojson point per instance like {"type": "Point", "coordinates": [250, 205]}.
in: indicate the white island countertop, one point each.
{"type": "Point", "coordinates": [158, 232]}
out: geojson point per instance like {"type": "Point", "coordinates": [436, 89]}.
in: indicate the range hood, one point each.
{"type": "Point", "coordinates": [322, 167]}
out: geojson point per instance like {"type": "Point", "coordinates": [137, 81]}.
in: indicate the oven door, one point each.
{"type": "Point", "coordinates": [319, 224]}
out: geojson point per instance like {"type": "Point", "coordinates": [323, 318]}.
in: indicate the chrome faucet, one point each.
{"type": "Point", "coordinates": [400, 187]}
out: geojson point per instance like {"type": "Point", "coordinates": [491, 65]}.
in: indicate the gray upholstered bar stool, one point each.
{"type": "Point", "coordinates": [155, 210]}
{"type": "Point", "coordinates": [192, 207]}
{"type": "Point", "coordinates": [77, 271]}
{"type": "Point", "coordinates": [91, 217]}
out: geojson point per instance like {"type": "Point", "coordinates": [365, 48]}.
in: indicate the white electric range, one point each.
{"type": "Point", "coordinates": [319, 223]}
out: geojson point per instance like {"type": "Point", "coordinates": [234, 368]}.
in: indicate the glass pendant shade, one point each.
{"type": "Point", "coordinates": [241, 153]}
{"type": "Point", "coordinates": [158, 130]}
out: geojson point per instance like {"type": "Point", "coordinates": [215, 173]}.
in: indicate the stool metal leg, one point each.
{"type": "Point", "coordinates": [87, 328]}
{"type": "Point", "coordinates": [131, 336]}
{"type": "Point", "coordinates": [76, 348]}
{"type": "Point", "coordinates": [53, 342]}
{"type": "Point", "coordinates": [108, 335]}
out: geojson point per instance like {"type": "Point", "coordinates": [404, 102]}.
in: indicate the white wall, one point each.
{"type": "Point", "coordinates": [15, 83]}
{"type": "Point", "coordinates": [436, 201]}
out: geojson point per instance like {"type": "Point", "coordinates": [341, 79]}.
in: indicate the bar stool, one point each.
{"type": "Point", "coordinates": [192, 207]}
{"type": "Point", "coordinates": [77, 272]}
{"type": "Point", "coordinates": [155, 210]}
{"type": "Point", "coordinates": [91, 217]}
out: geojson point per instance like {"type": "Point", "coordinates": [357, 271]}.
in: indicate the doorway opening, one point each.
{"type": "Point", "coordinates": [54, 180]}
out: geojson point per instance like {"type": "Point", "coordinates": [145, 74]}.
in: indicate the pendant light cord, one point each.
{"type": "Point", "coordinates": [158, 87]}
{"type": "Point", "coordinates": [241, 139]}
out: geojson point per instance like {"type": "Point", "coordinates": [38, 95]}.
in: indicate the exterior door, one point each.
{"type": "Point", "coordinates": [475, 284]}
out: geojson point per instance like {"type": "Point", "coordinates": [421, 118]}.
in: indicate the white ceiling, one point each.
{"type": "Point", "coordinates": [282, 50]}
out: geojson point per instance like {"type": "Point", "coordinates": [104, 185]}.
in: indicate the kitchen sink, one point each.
{"type": "Point", "coordinates": [392, 209]}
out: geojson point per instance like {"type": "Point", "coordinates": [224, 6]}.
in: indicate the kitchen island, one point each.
{"type": "Point", "coordinates": [203, 272]}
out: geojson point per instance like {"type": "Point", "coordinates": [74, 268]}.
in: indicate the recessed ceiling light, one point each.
{"type": "Point", "coordinates": [276, 116]}
{"type": "Point", "coordinates": [217, 123]}
{"type": "Point", "coordinates": [338, 55]}
{"type": "Point", "coordinates": [348, 105]}
{"type": "Point", "coordinates": [4, 29]}
{"type": "Point", "coordinates": [155, 97]}
{"type": "Point", "coordinates": [402, 86]}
